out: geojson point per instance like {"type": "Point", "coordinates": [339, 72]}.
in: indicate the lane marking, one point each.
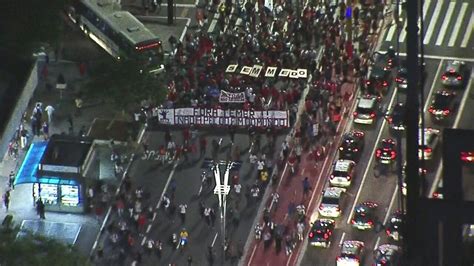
{"type": "Point", "coordinates": [436, 181]}
{"type": "Point", "coordinates": [391, 32]}
{"type": "Point", "coordinates": [439, 57]}
{"type": "Point", "coordinates": [253, 253]}
{"type": "Point", "coordinates": [342, 238]}
{"type": "Point", "coordinates": [371, 158]}
{"type": "Point", "coordinates": [445, 24]}
{"type": "Point", "coordinates": [214, 240]}
{"type": "Point", "coordinates": [385, 219]}
{"type": "Point", "coordinates": [470, 29]}
{"type": "Point", "coordinates": [184, 13]}
{"type": "Point", "coordinates": [457, 26]}
{"type": "Point", "coordinates": [377, 243]}
{"type": "Point", "coordinates": [427, 101]}
{"type": "Point", "coordinates": [212, 26]}
{"type": "Point", "coordinates": [183, 5]}
{"type": "Point", "coordinates": [432, 23]}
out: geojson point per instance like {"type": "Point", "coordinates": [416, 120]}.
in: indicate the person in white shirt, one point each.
{"type": "Point", "coordinates": [182, 212]}
{"type": "Point", "coordinates": [50, 110]}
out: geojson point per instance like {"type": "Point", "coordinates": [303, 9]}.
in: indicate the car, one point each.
{"type": "Point", "coordinates": [443, 104]}
{"type": "Point", "coordinates": [454, 74]}
{"type": "Point", "coordinates": [331, 202]}
{"type": "Point", "coordinates": [387, 255]}
{"type": "Point", "coordinates": [321, 232]}
{"type": "Point", "coordinates": [396, 118]}
{"type": "Point", "coordinates": [378, 81]}
{"type": "Point", "coordinates": [386, 153]}
{"type": "Point", "coordinates": [428, 141]}
{"type": "Point", "coordinates": [343, 172]}
{"type": "Point", "coordinates": [366, 110]}
{"type": "Point", "coordinates": [393, 228]}
{"type": "Point", "coordinates": [352, 145]}
{"type": "Point", "coordinates": [402, 76]}
{"type": "Point", "coordinates": [439, 192]}
{"type": "Point", "coordinates": [364, 216]}
{"type": "Point", "coordinates": [467, 156]}
{"type": "Point", "coordinates": [351, 253]}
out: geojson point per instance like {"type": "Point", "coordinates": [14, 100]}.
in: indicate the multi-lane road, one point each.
{"type": "Point", "coordinates": [447, 37]}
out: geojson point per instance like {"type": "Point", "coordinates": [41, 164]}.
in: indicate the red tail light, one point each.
{"type": "Point", "coordinates": [372, 115]}
{"type": "Point", "coordinates": [311, 234]}
{"type": "Point", "coordinates": [387, 231]}
{"type": "Point", "coordinates": [356, 150]}
{"type": "Point", "coordinates": [353, 221]}
{"type": "Point", "coordinates": [332, 176]}
{"type": "Point", "coordinates": [385, 83]}
{"type": "Point", "coordinates": [431, 110]}
{"type": "Point", "coordinates": [428, 150]}
{"type": "Point", "coordinates": [446, 112]}
{"type": "Point", "coordinates": [321, 207]}
{"type": "Point", "coordinates": [393, 155]}
{"type": "Point", "coordinates": [367, 82]}
{"type": "Point", "coordinates": [459, 78]}
{"type": "Point", "coordinates": [326, 236]}
{"type": "Point", "coordinates": [436, 195]}
{"type": "Point", "coordinates": [378, 153]}
{"type": "Point", "coordinates": [370, 222]}
{"type": "Point", "coordinates": [355, 113]}
{"type": "Point", "coordinates": [444, 77]}
{"type": "Point", "coordinates": [390, 120]}
{"type": "Point", "coordinates": [398, 80]}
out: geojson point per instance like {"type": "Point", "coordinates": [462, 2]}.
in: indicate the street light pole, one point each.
{"type": "Point", "coordinates": [222, 190]}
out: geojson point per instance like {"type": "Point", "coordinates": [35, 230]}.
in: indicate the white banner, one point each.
{"type": "Point", "coordinates": [219, 117]}
{"type": "Point", "coordinates": [231, 97]}
{"type": "Point", "coordinates": [270, 71]}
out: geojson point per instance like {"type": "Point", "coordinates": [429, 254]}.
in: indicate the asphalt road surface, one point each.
{"type": "Point", "coordinates": [384, 189]}
{"type": "Point", "coordinates": [156, 179]}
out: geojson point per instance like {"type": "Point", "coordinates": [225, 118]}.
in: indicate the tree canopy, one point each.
{"type": "Point", "coordinates": [28, 24]}
{"type": "Point", "coordinates": [124, 83]}
{"type": "Point", "coordinates": [36, 250]}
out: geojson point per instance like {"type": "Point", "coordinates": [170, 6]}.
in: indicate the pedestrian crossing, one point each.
{"type": "Point", "coordinates": [446, 24]}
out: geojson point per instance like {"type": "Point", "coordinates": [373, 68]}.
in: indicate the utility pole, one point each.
{"type": "Point", "coordinates": [412, 237]}
{"type": "Point", "coordinates": [170, 12]}
{"type": "Point", "coordinates": [222, 190]}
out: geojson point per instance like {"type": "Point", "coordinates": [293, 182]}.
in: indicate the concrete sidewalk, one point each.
{"type": "Point", "coordinates": [21, 200]}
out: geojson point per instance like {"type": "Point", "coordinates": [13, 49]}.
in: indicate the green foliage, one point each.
{"type": "Point", "coordinates": [36, 250]}
{"type": "Point", "coordinates": [123, 83]}
{"type": "Point", "coordinates": [27, 24]}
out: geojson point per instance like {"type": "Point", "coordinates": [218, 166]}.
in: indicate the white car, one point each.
{"type": "Point", "coordinates": [366, 109]}
{"type": "Point", "coordinates": [351, 253]}
{"type": "Point", "coordinates": [331, 202]}
{"type": "Point", "coordinates": [342, 173]}
{"type": "Point", "coordinates": [428, 143]}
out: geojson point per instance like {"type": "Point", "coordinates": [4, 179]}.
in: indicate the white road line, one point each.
{"type": "Point", "coordinates": [457, 26]}
{"type": "Point", "coordinates": [395, 192]}
{"type": "Point", "coordinates": [212, 26]}
{"type": "Point", "coordinates": [371, 158]}
{"type": "Point", "coordinates": [445, 24]}
{"type": "Point", "coordinates": [253, 253]}
{"type": "Point", "coordinates": [377, 243]}
{"type": "Point", "coordinates": [432, 23]}
{"type": "Point", "coordinates": [470, 29]}
{"type": "Point", "coordinates": [438, 57]}
{"type": "Point", "coordinates": [342, 238]}
{"type": "Point", "coordinates": [182, 5]}
{"type": "Point", "coordinates": [427, 101]}
{"type": "Point", "coordinates": [455, 125]}
{"type": "Point", "coordinates": [289, 259]}
{"type": "Point", "coordinates": [391, 32]}
{"type": "Point", "coordinates": [214, 240]}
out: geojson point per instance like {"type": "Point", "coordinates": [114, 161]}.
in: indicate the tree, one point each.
{"type": "Point", "coordinates": [124, 83]}
{"type": "Point", "coordinates": [36, 250]}
{"type": "Point", "coordinates": [28, 24]}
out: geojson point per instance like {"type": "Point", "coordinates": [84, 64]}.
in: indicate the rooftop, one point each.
{"type": "Point", "coordinates": [66, 151]}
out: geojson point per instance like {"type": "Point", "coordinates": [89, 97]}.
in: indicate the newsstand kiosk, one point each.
{"type": "Point", "coordinates": [59, 177]}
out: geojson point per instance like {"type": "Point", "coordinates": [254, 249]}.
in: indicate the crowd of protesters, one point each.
{"type": "Point", "coordinates": [284, 37]}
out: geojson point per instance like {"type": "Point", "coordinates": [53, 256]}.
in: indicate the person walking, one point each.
{"type": "Point", "coordinates": [40, 208]}
{"type": "Point", "coordinates": [306, 187]}
{"type": "Point", "coordinates": [207, 216]}
{"type": "Point", "coordinates": [182, 212]}
{"type": "Point", "coordinates": [50, 111]}
{"type": "Point", "coordinates": [45, 130]}
{"type": "Point", "coordinates": [11, 180]}
{"type": "Point", "coordinates": [6, 200]}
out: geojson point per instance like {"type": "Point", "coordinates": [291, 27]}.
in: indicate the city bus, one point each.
{"type": "Point", "coordinates": [118, 32]}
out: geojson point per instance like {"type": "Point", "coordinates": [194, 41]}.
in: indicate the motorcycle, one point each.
{"type": "Point", "coordinates": [183, 241]}
{"type": "Point", "coordinates": [258, 232]}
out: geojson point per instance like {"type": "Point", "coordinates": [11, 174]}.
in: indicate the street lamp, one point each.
{"type": "Point", "coordinates": [222, 190]}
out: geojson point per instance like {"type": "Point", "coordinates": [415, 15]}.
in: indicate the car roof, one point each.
{"type": "Point", "coordinates": [454, 66]}
{"type": "Point", "coordinates": [367, 102]}
{"type": "Point", "coordinates": [343, 165]}
{"type": "Point", "coordinates": [388, 248]}
{"type": "Point", "coordinates": [333, 192]}
{"type": "Point", "coordinates": [323, 223]}
{"type": "Point", "coordinates": [351, 247]}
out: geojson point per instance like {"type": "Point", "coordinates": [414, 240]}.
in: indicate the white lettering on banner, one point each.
{"type": "Point", "coordinates": [302, 73]}
{"type": "Point", "coordinates": [219, 117]}
{"type": "Point", "coordinates": [231, 97]}
{"type": "Point", "coordinates": [284, 72]}
{"type": "Point", "coordinates": [231, 68]}
{"type": "Point", "coordinates": [293, 74]}
{"type": "Point", "coordinates": [256, 69]}
{"type": "Point", "coordinates": [245, 70]}
{"type": "Point", "coordinates": [271, 71]}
